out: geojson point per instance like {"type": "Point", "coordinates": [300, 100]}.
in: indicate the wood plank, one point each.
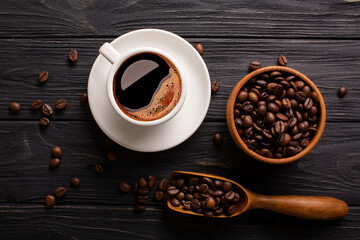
{"type": "Point", "coordinates": [275, 19]}
{"type": "Point", "coordinates": [329, 64]}
{"type": "Point", "coordinates": [331, 169]}
{"type": "Point", "coordinates": [121, 222]}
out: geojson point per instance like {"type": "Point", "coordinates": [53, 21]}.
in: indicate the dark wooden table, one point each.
{"type": "Point", "coordinates": [320, 38]}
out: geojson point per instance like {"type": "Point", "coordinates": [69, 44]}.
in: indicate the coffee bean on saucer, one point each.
{"type": "Point", "coordinates": [159, 195]}
{"type": "Point", "coordinates": [83, 99]}
{"type": "Point", "coordinates": [163, 185]}
{"type": "Point", "coordinates": [282, 60]}
{"type": "Point", "coordinates": [60, 192]}
{"type": "Point", "coordinates": [142, 182]}
{"type": "Point", "coordinates": [47, 110]}
{"type": "Point", "coordinates": [54, 163]}
{"type": "Point", "coordinates": [254, 65]}
{"type": "Point", "coordinates": [49, 201]}
{"type": "Point", "coordinates": [56, 152]}
{"type": "Point", "coordinates": [112, 156]}
{"type": "Point", "coordinates": [217, 139]}
{"type": "Point", "coordinates": [124, 187]}
{"type": "Point", "coordinates": [73, 55]}
{"type": "Point", "coordinates": [75, 182]}
{"type": "Point", "coordinates": [43, 76]}
{"type": "Point", "coordinates": [44, 121]}
{"type": "Point", "coordinates": [36, 104]}
{"type": "Point", "coordinates": [61, 104]}
{"type": "Point", "coordinates": [215, 85]}
{"type": "Point", "coordinates": [151, 181]}
{"type": "Point", "coordinates": [98, 168]}
{"type": "Point", "coordinates": [14, 107]}
{"type": "Point", "coordinates": [199, 47]}
{"type": "Point", "coordinates": [342, 91]}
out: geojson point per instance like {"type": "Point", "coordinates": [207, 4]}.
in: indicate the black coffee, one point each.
{"type": "Point", "coordinates": [147, 86]}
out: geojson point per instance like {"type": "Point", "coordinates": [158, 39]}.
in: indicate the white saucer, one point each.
{"type": "Point", "coordinates": [172, 132]}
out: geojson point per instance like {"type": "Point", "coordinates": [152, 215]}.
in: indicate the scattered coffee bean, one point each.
{"type": "Point", "coordinates": [36, 104]}
{"type": "Point", "coordinates": [199, 47]}
{"type": "Point", "coordinates": [98, 168]}
{"type": "Point", "coordinates": [49, 201]}
{"type": "Point", "coordinates": [140, 207]}
{"type": "Point", "coordinates": [254, 65]}
{"type": "Point", "coordinates": [282, 60]}
{"type": "Point", "coordinates": [215, 85]}
{"type": "Point", "coordinates": [124, 187]}
{"type": "Point", "coordinates": [217, 139]}
{"type": "Point", "coordinates": [44, 121]}
{"type": "Point", "coordinates": [73, 55]}
{"type": "Point", "coordinates": [75, 182]}
{"type": "Point", "coordinates": [61, 104]}
{"type": "Point", "coordinates": [143, 191]}
{"type": "Point", "coordinates": [54, 163]}
{"type": "Point", "coordinates": [56, 152]}
{"type": "Point", "coordinates": [60, 192]}
{"type": "Point", "coordinates": [142, 199]}
{"type": "Point", "coordinates": [342, 92]}
{"type": "Point", "coordinates": [14, 107]}
{"type": "Point", "coordinates": [112, 156]}
{"type": "Point", "coordinates": [135, 187]}
{"type": "Point", "coordinates": [159, 195]}
{"type": "Point", "coordinates": [43, 76]}
{"type": "Point", "coordinates": [47, 110]}
{"type": "Point", "coordinates": [151, 181]}
{"type": "Point", "coordinates": [83, 99]}
{"type": "Point", "coordinates": [163, 185]}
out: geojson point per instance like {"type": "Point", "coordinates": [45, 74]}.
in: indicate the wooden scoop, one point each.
{"type": "Point", "coordinates": [307, 207]}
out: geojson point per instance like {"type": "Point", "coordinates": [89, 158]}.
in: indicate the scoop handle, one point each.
{"type": "Point", "coordinates": [306, 207]}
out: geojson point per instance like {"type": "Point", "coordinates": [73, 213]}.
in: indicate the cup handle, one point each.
{"type": "Point", "coordinates": [109, 52]}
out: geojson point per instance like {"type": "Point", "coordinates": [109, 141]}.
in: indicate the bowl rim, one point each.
{"type": "Point", "coordinates": [231, 120]}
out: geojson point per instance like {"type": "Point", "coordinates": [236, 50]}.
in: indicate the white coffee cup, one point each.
{"type": "Point", "coordinates": [116, 59]}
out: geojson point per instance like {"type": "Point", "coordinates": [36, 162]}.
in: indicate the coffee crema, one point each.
{"type": "Point", "coordinates": [147, 86]}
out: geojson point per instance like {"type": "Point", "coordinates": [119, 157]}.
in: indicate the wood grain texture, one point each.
{"type": "Point", "coordinates": [329, 64]}
{"type": "Point", "coordinates": [275, 19]}
{"type": "Point", "coordinates": [330, 169]}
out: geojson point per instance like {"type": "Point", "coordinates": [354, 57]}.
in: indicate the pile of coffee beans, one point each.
{"type": "Point", "coordinates": [203, 195]}
{"type": "Point", "coordinates": [276, 114]}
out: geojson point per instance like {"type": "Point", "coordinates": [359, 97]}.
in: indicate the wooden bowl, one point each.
{"type": "Point", "coordinates": [231, 123]}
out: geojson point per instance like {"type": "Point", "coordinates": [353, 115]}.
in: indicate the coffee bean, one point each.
{"type": "Point", "coordinates": [313, 111]}
{"type": "Point", "coordinates": [142, 199]}
{"type": "Point", "coordinates": [210, 203]}
{"type": "Point", "coordinates": [291, 93]}
{"type": "Point", "coordinates": [218, 183]}
{"type": "Point", "coordinates": [232, 209]}
{"type": "Point", "coordinates": [73, 55]}
{"type": "Point", "coordinates": [227, 186]}
{"type": "Point", "coordinates": [44, 121]}
{"type": "Point", "coordinates": [54, 163]}
{"type": "Point", "coordinates": [83, 99]}
{"type": "Point", "coordinates": [180, 196]}
{"type": "Point", "coordinates": [60, 192]}
{"type": "Point", "coordinates": [151, 181]}
{"type": "Point", "coordinates": [189, 197]}
{"type": "Point", "coordinates": [75, 182]}
{"type": "Point", "coordinates": [236, 198]}
{"type": "Point", "coordinates": [140, 207]}
{"type": "Point", "coordinates": [282, 60]}
{"type": "Point", "coordinates": [253, 97]}
{"type": "Point", "coordinates": [180, 182]}
{"type": "Point", "coordinates": [217, 139]}
{"type": "Point", "coordinates": [98, 168]}
{"type": "Point", "coordinates": [342, 91]}
{"type": "Point", "coordinates": [218, 212]}
{"type": "Point", "coordinates": [279, 127]}
{"type": "Point", "coordinates": [143, 191]}
{"type": "Point", "coordinates": [47, 110]}
{"type": "Point", "coordinates": [284, 139]}
{"type": "Point", "coordinates": [300, 96]}
{"type": "Point", "coordinates": [261, 83]}
{"type": "Point", "coordinates": [308, 103]}
{"type": "Point", "coordinates": [247, 121]}
{"type": "Point", "coordinates": [194, 181]}
{"type": "Point", "coordinates": [172, 190]}
{"type": "Point", "coordinates": [124, 187]}
{"type": "Point", "coordinates": [238, 122]}
{"type": "Point", "coordinates": [56, 152]}
{"type": "Point", "coordinates": [282, 117]}
{"type": "Point", "coordinates": [242, 96]}
{"type": "Point", "coordinates": [187, 205]}
{"type": "Point", "coordinates": [43, 76]}
{"type": "Point", "coordinates": [265, 152]}
{"type": "Point", "coordinates": [254, 65]}
{"type": "Point", "coordinates": [195, 204]}
{"type": "Point", "coordinates": [159, 195]}
{"type": "Point", "coordinates": [49, 201]}
{"type": "Point", "coordinates": [14, 107]}
{"type": "Point", "coordinates": [142, 182]}
{"type": "Point", "coordinates": [208, 214]}
{"type": "Point", "coordinates": [36, 104]}
{"type": "Point", "coordinates": [163, 185]}
{"type": "Point", "coordinates": [199, 48]}
{"type": "Point", "coordinates": [291, 150]}
{"type": "Point", "coordinates": [203, 188]}
{"type": "Point", "coordinates": [207, 181]}
{"type": "Point", "coordinates": [273, 107]}
{"type": "Point", "coordinates": [61, 104]}
{"type": "Point", "coordinates": [275, 74]}
{"type": "Point", "coordinates": [135, 187]}
{"type": "Point", "coordinates": [270, 117]}
{"type": "Point", "coordinates": [314, 97]}
{"type": "Point", "coordinates": [215, 85]}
